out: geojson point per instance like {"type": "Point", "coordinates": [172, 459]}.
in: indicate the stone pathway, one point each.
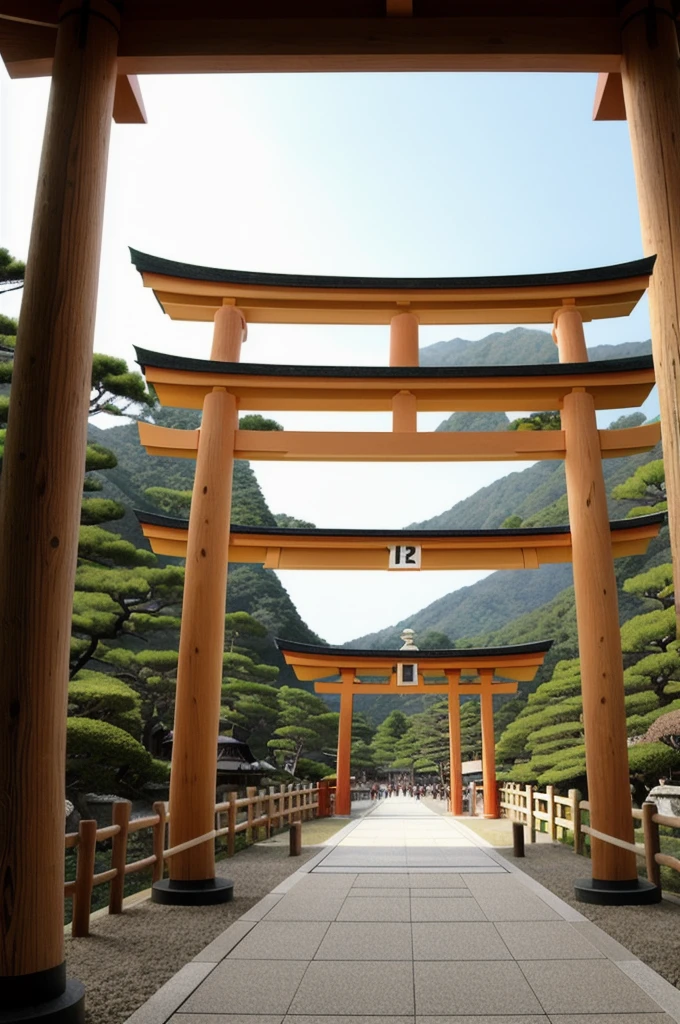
{"type": "Point", "coordinates": [408, 917]}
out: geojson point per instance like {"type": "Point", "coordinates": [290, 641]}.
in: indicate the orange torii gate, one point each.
{"type": "Point", "coordinates": [482, 672]}
{"type": "Point", "coordinates": [223, 386]}
{"type": "Point", "coordinates": [93, 49]}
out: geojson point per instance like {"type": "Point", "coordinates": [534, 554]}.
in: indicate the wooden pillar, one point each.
{"type": "Point", "coordinates": [201, 647]}
{"type": "Point", "coordinates": [404, 349]}
{"type": "Point", "coordinates": [651, 89]}
{"type": "Point", "coordinates": [343, 795]}
{"type": "Point", "coordinates": [40, 495]}
{"type": "Point", "coordinates": [455, 755]}
{"type": "Point", "coordinates": [488, 747]}
{"type": "Point", "coordinates": [614, 870]}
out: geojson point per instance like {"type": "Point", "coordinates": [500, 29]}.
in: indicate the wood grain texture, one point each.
{"type": "Point", "coordinates": [599, 638]}
{"type": "Point", "coordinates": [41, 490]}
{"type": "Point", "coordinates": [199, 672]}
{"type": "Point", "coordinates": [651, 86]}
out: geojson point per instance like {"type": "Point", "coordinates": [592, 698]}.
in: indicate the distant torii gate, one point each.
{"type": "Point", "coordinates": [482, 671]}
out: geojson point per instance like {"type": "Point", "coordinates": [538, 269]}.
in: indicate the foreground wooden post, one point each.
{"type": "Point", "coordinates": [491, 809]}
{"type": "Point", "coordinates": [651, 90]}
{"type": "Point", "coordinates": [575, 798]}
{"type": "Point", "coordinates": [343, 795]}
{"type": "Point", "coordinates": [120, 816]}
{"type": "Point", "coordinates": [652, 842]}
{"type": "Point", "coordinates": [295, 839]}
{"type": "Point", "coordinates": [40, 496]}
{"type": "Point", "coordinates": [517, 839]}
{"type": "Point", "coordinates": [201, 647]}
{"type": "Point", "coordinates": [82, 897]}
{"type": "Point", "coordinates": [614, 870]}
{"type": "Point", "coordinates": [455, 756]}
{"type": "Point", "coordinates": [159, 840]}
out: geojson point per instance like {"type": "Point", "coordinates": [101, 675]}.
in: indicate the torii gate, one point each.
{"type": "Point", "coordinates": [93, 54]}
{"type": "Point", "coordinates": [481, 672]}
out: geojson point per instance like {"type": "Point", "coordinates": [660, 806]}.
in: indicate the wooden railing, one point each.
{"type": "Point", "coordinates": [267, 810]}
{"type": "Point", "coordinates": [524, 803]}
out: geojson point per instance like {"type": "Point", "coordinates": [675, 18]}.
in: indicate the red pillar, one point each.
{"type": "Point", "coordinates": [343, 795]}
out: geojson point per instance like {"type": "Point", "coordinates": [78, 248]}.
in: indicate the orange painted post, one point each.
{"type": "Point", "coordinates": [199, 674]}
{"type": "Point", "coordinates": [404, 413]}
{"type": "Point", "coordinates": [343, 797]}
{"type": "Point", "coordinates": [614, 870]}
{"type": "Point", "coordinates": [491, 809]}
{"type": "Point", "coordinates": [404, 349]}
{"type": "Point", "coordinates": [40, 498]}
{"type": "Point", "coordinates": [649, 74]}
{"type": "Point", "coordinates": [455, 756]}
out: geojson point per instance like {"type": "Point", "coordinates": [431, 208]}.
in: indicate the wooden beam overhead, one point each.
{"type": "Point", "coordinates": [378, 446]}
{"type": "Point", "coordinates": [350, 550]}
{"type": "Point", "coordinates": [128, 105]}
{"type": "Point", "coordinates": [609, 104]}
{"type": "Point", "coordinates": [247, 36]}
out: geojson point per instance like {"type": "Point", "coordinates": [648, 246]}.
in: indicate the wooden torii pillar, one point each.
{"type": "Point", "coordinates": [614, 870]}
{"type": "Point", "coordinates": [455, 756]}
{"type": "Point", "coordinates": [343, 787]}
{"type": "Point", "coordinates": [201, 647]}
{"type": "Point", "coordinates": [651, 89]}
{"type": "Point", "coordinates": [40, 496]}
{"type": "Point", "coordinates": [491, 809]}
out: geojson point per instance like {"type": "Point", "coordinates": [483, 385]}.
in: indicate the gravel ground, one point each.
{"type": "Point", "coordinates": [651, 933]}
{"type": "Point", "coordinates": [128, 957]}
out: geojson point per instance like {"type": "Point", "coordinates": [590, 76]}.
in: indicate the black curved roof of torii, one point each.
{"type": "Point", "coordinates": [537, 647]}
{"type": "Point", "coordinates": [155, 519]}
{"type": "Point", "coordinates": [144, 262]}
{"type": "Point", "coordinates": [164, 361]}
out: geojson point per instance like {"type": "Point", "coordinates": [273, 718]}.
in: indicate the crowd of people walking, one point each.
{"type": "Point", "coordinates": [405, 787]}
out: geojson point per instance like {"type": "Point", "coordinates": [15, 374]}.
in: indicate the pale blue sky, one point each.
{"type": "Point", "coordinates": [358, 174]}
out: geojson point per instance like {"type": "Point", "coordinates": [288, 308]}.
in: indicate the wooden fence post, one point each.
{"type": "Point", "coordinates": [552, 830]}
{"type": "Point", "coordinates": [120, 816]}
{"type": "Point", "coordinates": [530, 813]}
{"type": "Point", "coordinates": [652, 842]}
{"type": "Point", "coordinates": [231, 822]}
{"type": "Point", "coordinates": [575, 798]}
{"type": "Point", "coordinates": [159, 840]}
{"type": "Point", "coordinates": [271, 810]}
{"type": "Point", "coordinates": [473, 799]}
{"type": "Point", "coordinates": [251, 793]}
{"type": "Point", "coordinates": [87, 845]}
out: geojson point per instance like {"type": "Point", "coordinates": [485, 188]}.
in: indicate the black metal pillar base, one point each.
{"type": "Point", "coordinates": [636, 892]}
{"type": "Point", "coordinates": [45, 997]}
{"type": "Point", "coordinates": [192, 894]}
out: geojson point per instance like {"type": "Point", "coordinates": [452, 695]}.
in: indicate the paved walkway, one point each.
{"type": "Point", "coordinates": [407, 917]}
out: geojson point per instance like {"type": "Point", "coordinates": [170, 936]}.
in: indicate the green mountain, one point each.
{"type": "Point", "coordinates": [251, 587]}
{"type": "Point", "coordinates": [512, 348]}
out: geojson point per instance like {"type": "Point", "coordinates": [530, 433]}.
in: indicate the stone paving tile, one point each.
{"type": "Point", "coordinates": [170, 996]}
{"type": "Point", "coordinates": [584, 986]}
{"type": "Point", "coordinates": [358, 892]}
{"type": "Point", "coordinates": [532, 1018]}
{"type": "Point", "coordinates": [609, 1018]}
{"type": "Point", "coordinates": [509, 907]}
{"type": "Point", "coordinates": [281, 940]}
{"type": "Point", "coordinates": [364, 940]}
{"type": "Point", "coordinates": [226, 1018]}
{"type": "Point", "coordinates": [257, 912]}
{"type": "Point", "coordinates": [458, 941]}
{"type": "Point", "coordinates": [471, 987]}
{"type": "Point", "coordinates": [224, 943]}
{"type": "Point", "coordinates": [380, 881]}
{"type": "Point", "coordinates": [335, 884]}
{"type": "Point", "coordinates": [265, 987]}
{"type": "Point", "coordinates": [371, 987]}
{"type": "Point", "coordinates": [367, 908]}
{"type": "Point", "coordinates": [446, 910]}
{"type": "Point", "coordinates": [362, 1019]}
{"type": "Point", "coordinates": [439, 880]}
{"type": "Point", "coordinates": [605, 943]}
{"type": "Point", "coordinates": [546, 940]}
{"type": "Point", "coordinates": [438, 894]}
{"type": "Point", "coordinates": [300, 907]}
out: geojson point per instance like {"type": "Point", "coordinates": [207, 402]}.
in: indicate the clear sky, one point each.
{"type": "Point", "coordinates": [424, 174]}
